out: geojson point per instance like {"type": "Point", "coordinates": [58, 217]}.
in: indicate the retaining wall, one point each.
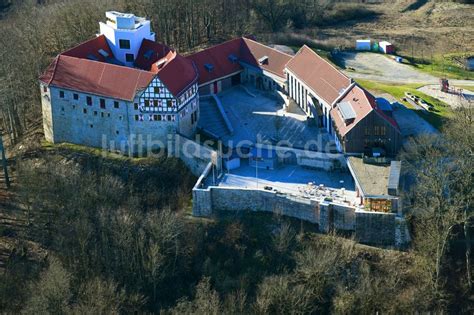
{"type": "Point", "coordinates": [194, 155]}
{"type": "Point", "coordinates": [369, 227]}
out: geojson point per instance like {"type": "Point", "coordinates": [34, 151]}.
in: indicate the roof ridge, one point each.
{"type": "Point", "coordinates": [220, 44]}
{"type": "Point", "coordinates": [83, 43]}
{"type": "Point", "coordinates": [281, 52]}
{"type": "Point", "coordinates": [107, 64]}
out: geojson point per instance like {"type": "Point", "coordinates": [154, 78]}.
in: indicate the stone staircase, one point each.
{"type": "Point", "coordinates": [211, 120]}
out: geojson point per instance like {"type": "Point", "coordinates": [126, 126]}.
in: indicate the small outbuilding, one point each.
{"type": "Point", "coordinates": [232, 162]}
{"type": "Point", "coordinates": [363, 44]}
{"type": "Point", "coordinates": [386, 47]}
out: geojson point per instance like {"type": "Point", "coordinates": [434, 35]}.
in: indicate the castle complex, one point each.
{"type": "Point", "coordinates": [123, 91]}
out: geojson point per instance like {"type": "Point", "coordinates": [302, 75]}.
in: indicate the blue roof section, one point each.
{"type": "Point", "coordinates": [346, 110]}
{"type": "Point", "coordinates": [384, 104]}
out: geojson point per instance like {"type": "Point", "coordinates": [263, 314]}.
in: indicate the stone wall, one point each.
{"type": "Point", "coordinates": [240, 199]}
{"type": "Point", "coordinates": [375, 228]}
{"type": "Point", "coordinates": [370, 227]}
{"type": "Point", "coordinates": [194, 155]}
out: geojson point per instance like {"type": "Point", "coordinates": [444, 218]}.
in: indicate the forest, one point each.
{"type": "Point", "coordinates": [98, 235]}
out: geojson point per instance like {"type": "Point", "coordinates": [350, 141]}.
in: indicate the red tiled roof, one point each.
{"type": "Point", "coordinates": [218, 56]}
{"type": "Point", "coordinates": [90, 47]}
{"type": "Point", "coordinates": [277, 60]}
{"type": "Point", "coordinates": [178, 73]}
{"type": "Point", "coordinates": [96, 77]}
{"type": "Point", "coordinates": [74, 69]}
{"type": "Point", "coordinates": [145, 59]}
{"type": "Point", "coordinates": [363, 103]}
{"type": "Point", "coordinates": [246, 50]}
{"type": "Point", "coordinates": [318, 74]}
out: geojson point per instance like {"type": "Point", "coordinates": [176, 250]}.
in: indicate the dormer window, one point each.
{"type": "Point", "coordinates": [209, 67]}
{"type": "Point", "coordinates": [263, 61]}
{"type": "Point", "coordinates": [232, 58]}
{"type": "Point", "coordinates": [103, 53]}
{"type": "Point", "coordinates": [148, 54]}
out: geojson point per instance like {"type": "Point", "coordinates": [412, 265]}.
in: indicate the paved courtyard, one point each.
{"type": "Point", "coordinates": [262, 118]}
{"type": "Point", "coordinates": [294, 180]}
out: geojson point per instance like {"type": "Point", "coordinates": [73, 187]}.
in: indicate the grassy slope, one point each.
{"type": "Point", "coordinates": [437, 118]}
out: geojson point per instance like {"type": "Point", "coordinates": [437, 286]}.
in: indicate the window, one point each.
{"type": "Point", "coordinates": [156, 117]}
{"type": "Point", "coordinates": [367, 131]}
{"type": "Point", "coordinates": [168, 103]}
{"type": "Point", "coordinates": [116, 104]}
{"type": "Point", "coordinates": [135, 106]}
{"type": "Point", "coordinates": [92, 126]}
{"type": "Point", "coordinates": [147, 103]}
{"type": "Point", "coordinates": [45, 89]}
{"type": "Point", "coordinates": [62, 109]}
{"type": "Point", "coordinates": [102, 114]}
{"type": "Point", "coordinates": [156, 89]}
{"type": "Point", "coordinates": [155, 103]}
{"type": "Point", "coordinates": [61, 94]}
{"type": "Point", "coordinates": [75, 96]}
{"type": "Point", "coordinates": [136, 117]}
{"type": "Point", "coordinates": [84, 110]}
{"type": "Point", "coordinates": [89, 100]}
{"type": "Point", "coordinates": [124, 44]}
{"type": "Point", "coordinates": [129, 57]}
{"type": "Point", "coordinates": [116, 132]}
{"type": "Point", "coordinates": [120, 117]}
{"type": "Point", "coordinates": [383, 131]}
{"type": "Point", "coordinates": [102, 103]}
{"type": "Point", "coordinates": [95, 113]}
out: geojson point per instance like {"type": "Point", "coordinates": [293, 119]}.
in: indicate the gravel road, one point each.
{"type": "Point", "coordinates": [377, 67]}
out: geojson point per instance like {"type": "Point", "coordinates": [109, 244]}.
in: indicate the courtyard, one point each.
{"type": "Point", "coordinates": [292, 180]}
{"type": "Point", "coordinates": [260, 117]}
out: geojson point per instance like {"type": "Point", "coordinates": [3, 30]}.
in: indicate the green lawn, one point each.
{"type": "Point", "coordinates": [443, 66]}
{"type": "Point", "coordinates": [437, 117]}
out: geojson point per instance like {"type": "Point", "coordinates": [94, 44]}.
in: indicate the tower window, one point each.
{"type": "Point", "coordinates": [124, 44]}
{"type": "Point", "coordinates": [102, 103]}
{"type": "Point", "coordinates": [61, 94]}
{"type": "Point", "coordinates": [116, 104]}
{"type": "Point", "coordinates": [75, 96]}
{"type": "Point", "coordinates": [129, 57]}
{"type": "Point", "coordinates": [84, 110]}
{"type": "Point", "coordinates": [89, 100]}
